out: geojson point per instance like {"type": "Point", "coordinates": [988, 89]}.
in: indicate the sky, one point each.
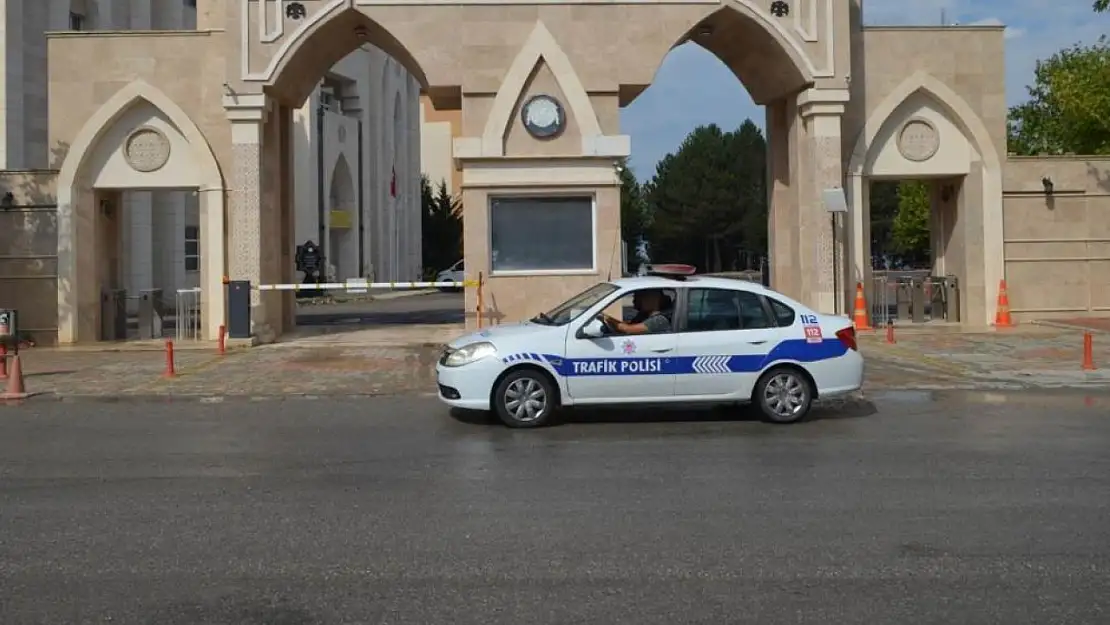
{"type": "Point", "coordinates": [666, 112]}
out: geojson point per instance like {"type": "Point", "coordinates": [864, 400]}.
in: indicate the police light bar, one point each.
{"type": "Point", "coordinates": [674, 271]}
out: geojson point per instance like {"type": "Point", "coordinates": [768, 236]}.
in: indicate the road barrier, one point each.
{"type": "Point", "coordinates": [362, 286]}
{"type": "Point", "coordinates": [1088, 352]}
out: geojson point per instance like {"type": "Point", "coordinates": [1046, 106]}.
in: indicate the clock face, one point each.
{"type": "Point", "coordinates": [543, 116]}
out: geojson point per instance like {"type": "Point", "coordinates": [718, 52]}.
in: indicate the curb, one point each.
{"type": "Point", "coordinates": [1068, 326]}
{"type": "Point", "coordinates": [205, 399]}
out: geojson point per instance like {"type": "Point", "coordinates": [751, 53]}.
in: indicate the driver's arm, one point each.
{"type": "Point", "coordinates": [648, 326]}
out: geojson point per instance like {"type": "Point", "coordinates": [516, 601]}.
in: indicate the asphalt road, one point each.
{"type": "Point", "coordinates": [431, 308]}
{"type": "Point", "coordinates": [914, 509]}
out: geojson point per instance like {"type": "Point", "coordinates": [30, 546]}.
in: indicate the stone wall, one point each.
{"type": "Point", "coordinates": [1057, 245]}
{"type": "Point", "coordinates": [28, 251]}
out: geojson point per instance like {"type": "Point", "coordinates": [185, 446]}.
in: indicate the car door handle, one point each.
{"type": "Point", "coordinates": [756, 342]}
{"type": "Point", "coordinates": [662, 351]}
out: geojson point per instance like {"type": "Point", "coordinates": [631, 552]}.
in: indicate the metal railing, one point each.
{"type": "Point", "coordinates": [187, 315]}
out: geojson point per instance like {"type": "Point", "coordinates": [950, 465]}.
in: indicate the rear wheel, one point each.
{"type": "Point", "coordinates": [525, 399]}
{"type": "Point", "coordinates": [784, 395]}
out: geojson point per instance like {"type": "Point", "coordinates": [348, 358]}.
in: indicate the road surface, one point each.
{"type": "Point", "coordinates": [913, 509]}
{"type": "Point", "coordinates": [430, 308]}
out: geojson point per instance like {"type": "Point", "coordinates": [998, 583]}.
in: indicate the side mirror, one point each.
{"type": "Point", "coordinates": [593, 329]}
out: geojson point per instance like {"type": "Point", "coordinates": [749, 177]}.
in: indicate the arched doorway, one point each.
{"type": "Point", "coordinates": [342, 227]}
{"type": "Point", "coordinates": [788, 62]}
{"type": "Point", "coordinates": [138, 139]}
{"type": "Point", "coordinates": [923, 130]}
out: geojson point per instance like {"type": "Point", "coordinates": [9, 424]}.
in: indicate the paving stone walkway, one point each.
{"type": "Point", "coordinates": [401, 360]}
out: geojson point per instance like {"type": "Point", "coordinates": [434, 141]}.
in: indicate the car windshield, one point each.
{"type": "Point", "coordinates": [570, 310]}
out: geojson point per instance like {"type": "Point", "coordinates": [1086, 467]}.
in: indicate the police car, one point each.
{"type": "Point", "coordinates": [728, 341]}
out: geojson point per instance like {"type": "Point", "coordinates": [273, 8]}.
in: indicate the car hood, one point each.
{"type": "Point", "coordinates": [502, 333]}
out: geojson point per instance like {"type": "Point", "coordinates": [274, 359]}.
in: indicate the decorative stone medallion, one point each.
{"type": "Point", "coordinates": [543, 117]}
{"type": "Point", "coordinates": [918, 140]}
{"type": "Point", "coordinates": [146, 150]}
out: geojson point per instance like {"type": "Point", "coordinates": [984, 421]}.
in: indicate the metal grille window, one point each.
{"type": "Point", "coordinates": [192, 248]}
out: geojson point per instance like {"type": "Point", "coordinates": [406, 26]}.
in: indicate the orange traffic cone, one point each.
{"type": "Point", "coordinates": [859, 316]}
{"type": "Point", "coordinates": [15, 389]}
{"type": "Point", "coordinates": [1002, 318]}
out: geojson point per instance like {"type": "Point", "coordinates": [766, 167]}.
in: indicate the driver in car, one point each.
{"type": "Point", "coordinates": [649, 317]}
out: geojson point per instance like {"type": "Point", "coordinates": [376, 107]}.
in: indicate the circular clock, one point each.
{"type": "Point", "coordinates": [543, 117]}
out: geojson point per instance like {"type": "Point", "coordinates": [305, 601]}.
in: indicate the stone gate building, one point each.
{"type": "Point", "coordinates": [539, 85]}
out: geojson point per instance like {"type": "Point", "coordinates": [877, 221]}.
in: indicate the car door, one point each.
{"type": "Point", "coordinates": [613, 369]}
{"type": "Point", "coordinates": [723, 339]}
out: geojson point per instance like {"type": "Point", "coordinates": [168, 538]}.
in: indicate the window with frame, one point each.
{"type": "Point", "coordinates": [542, 234]}
{"type": "Point", "coordinates": [76, 21]}
{"type": "Point", "coordinates": [192, 248]}
{"type": "Point", "coordinates": [784, 315]}
{"type": "Point", "coordinates": [718, 310]}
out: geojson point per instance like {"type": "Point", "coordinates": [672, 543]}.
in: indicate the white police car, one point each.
{"type": "Point", "coordinates": [730, 341]}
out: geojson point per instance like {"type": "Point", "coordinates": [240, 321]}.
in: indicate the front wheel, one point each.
{"type": "Point", "coordinates": [784, 395]}
{"type": "Point", "coordinates": [524, 399]}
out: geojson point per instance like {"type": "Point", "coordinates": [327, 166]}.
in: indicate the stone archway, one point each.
{"type": "Point", "coordinates": [982, 210]}
{"type": "Point", "coordinates": [341, 221]}
{"type": "Point", "coordinates": [98, 160]}
{"type": "Point", "coordinates": [529, 50]}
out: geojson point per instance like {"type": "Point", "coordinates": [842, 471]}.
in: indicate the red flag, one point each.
{"type": "Point", "coordinates": [393, 183]}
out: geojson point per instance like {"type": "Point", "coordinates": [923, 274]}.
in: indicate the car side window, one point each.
{"type": "Point", "coordinates": [784, 315]}
{"type": "Point", "coordinates": [717, 310]}
{"type": "Point", "coordinates": [624, 307]}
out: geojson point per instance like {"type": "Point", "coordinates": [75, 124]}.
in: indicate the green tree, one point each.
{"type": "Point", "coordinates": [1102, 5]}
{"type": "Point", "coordinates": [634, 213]}
{"type": "Point", "coordinates": [884, 208]}
{"type": "Point", "coordinates": [910, 232]}
{"type": "Point", "coordinates": [1068, 110]}
{"type": "Point", "coordinates": [708, 200]}
{"type": "Point", "coordinates": [441, 224]}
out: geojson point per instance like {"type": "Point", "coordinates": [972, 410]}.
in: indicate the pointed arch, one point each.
{"type": "Point", "coordinates": [540, 45]}
{"type": "Point", "coordinates": [957, 108]}
{"type": "Point", "coordinates": [134, 93]}
{"type": "Point", "coordinates": [75, 292]}
{"type": "Point", "coordinates": [341, 185]}
{"type": "Point", "coordinates": [991, 257]}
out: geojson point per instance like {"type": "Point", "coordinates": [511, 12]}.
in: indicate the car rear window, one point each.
{"type": "Point", "coordinates": [784, 315]}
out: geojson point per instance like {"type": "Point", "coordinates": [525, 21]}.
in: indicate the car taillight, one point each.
{"type": "Point", "coordinates": [848, 337]}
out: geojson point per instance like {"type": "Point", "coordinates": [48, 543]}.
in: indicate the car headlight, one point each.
{"type": "Point", "coordinates": [468, 354]}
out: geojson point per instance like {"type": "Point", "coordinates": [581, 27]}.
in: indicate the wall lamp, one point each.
{"type": "Point", "coordinates": [1046, 182]}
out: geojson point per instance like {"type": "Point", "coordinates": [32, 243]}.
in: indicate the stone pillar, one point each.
{"type": "Point", "coordinates": [858, 235]}
{"type": "Point", "coordinates": [782, 231]}
{"type": "Point", "coordinates": [820, 249]}
{"type": "Point", "coordinates": [247, 114]}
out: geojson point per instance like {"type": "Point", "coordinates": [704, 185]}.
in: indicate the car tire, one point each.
{"type": "Point", "coordinates": [783, 395]}
{"type": "Point", "coordinates": [525, 398]}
